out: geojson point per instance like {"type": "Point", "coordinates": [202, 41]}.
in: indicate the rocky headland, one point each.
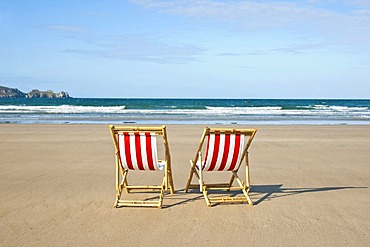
{"type": "Point", "coordinates": [6, 92]}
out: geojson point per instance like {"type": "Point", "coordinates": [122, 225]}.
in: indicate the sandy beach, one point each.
{"type": "Point", "coordinates": [310, 186]}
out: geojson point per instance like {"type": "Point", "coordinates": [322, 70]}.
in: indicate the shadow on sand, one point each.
{"type": "Point", "coordinates": [276, 190]}
{"type": "Point", "coordinates": [267, 192]}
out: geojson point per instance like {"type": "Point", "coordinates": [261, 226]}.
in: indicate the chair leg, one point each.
{"type": "Point", "coordinates": [161, 195]}
{"type": "Point", "coordinates": [245, 192]}
{"type": "Point", "coordinates": [247, 178]}
{"type": "Point", "coordinates": [231, 181]}
{"type": "Point", "coordinates": [118, 196]}
{"type": "Point", "coordinates": [190, 176]}
{"type": "Point", "coordinates": [119, 184]}
{"type": "Point", "coordinates": [248, 198]}
{"type": "Point", "coordinates": [205, 194]}
{"type": "Point", "coordinates": [203, 188]}
{"type": "Point", "coordinates": [193, 171]}
{"type": "Point", "coordinates": [170, 182]}
{"type": "Point", "coordinates": [124, 183]}
{"type": "Point", "coordinates": [168, 178]}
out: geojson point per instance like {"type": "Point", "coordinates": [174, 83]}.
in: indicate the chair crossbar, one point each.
{"type": "Point", "coordinates": [196, 186]}
{"type": "Point", "coordinates": [222, 188]}
{"type": "Point", "coordinates": [122, 203]}
{"type": "Point", "coordinates": [216, 187]}
{"type": "Point", "coordinates": [131, 132]}
{"type": "Point", "coordinates": [138, 188]}
{"type": "Point", "coordinates": [230, 130]}
{"type": "Point", "coordinates": [157, 130]}
{"type": "Point", "coordinates": [229, 199]}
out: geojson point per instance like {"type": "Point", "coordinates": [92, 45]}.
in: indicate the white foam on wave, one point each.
{"type": "Point", "coordinates": [219, 111]}
{"type": "Point", "coordinates": [62, 109]}
{"type": "Point", "coordinates": [238, 111]}
{"type": "Point", "coordinates": [245, 110]}
{"type": "Point", "coordinates": [208, 111]}
{"type": "Point", "coordinates": [339, 108]}
{"type": "Point", "coordinates": [276, 110]}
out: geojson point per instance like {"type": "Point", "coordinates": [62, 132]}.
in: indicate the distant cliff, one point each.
{"type": "Point", "coordinates": [47, 94]}
{"type": "Point", "coordinates": [6, 92]}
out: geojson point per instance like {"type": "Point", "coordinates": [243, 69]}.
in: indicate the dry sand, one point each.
{"type": "Point", "coordinates": [310, 185]}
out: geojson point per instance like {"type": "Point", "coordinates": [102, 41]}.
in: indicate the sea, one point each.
{"type": "Point", "coordinates": [184, 111]}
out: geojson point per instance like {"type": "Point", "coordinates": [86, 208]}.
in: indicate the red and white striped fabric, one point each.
{"type": "Point", "coordinates": [138, 151]}
{"type": "Point", "coordinates": [223, 152]}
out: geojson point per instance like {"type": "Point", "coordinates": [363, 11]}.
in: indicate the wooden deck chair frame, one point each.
{"type": "Point", "coordinates": [122, 183]}
{"type": "Point", "coordinates": [243, 186]}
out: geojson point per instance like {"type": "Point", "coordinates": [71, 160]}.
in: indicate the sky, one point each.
{"type": "Point", "coordinates": [187, 49]}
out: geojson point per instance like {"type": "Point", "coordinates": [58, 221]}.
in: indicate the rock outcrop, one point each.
{"type": "Point", "coordinates": [35, 93]}
{"type": "Point", "coordinates": [6, 92]}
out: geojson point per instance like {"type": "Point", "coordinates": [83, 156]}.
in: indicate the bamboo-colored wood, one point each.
{"type": "Point", "coordinates": [138, 204]}
{"type": "Point", "coordinates": [124, 128]}
{"type": "Point", "coordinates": [198, 172]}
{"type": "Point", "coordinates": [124, 181]}
{"type": "Point", "coordinates": [229, 199]}
{"type": "Point", "coordinates": [194, 162]}
{"type": "Point", "coordinates": [221, 185]}
{"type": "Point", "coordinates": [224, 188]}
{"type": "Point", "coordinates": [206, 197]}
{"type": "Point", "coordinates": [133, 187]}
{"type": "Point", "coordinates": [201, 184]}
{"type": "Point", "coordinates": [167, 184]}
{"type": "Point", "coordinates": [168, 168]}
{"type": "Point", "coordinates": [117, 172]}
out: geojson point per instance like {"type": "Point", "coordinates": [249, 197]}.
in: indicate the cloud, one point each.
{"type": "Point", "coordinates": [329, 17]}
{"type": "Point", "coordinates": [288, 49]}
{"type": "Point", "coordinates": [251, 13]}
{"type": "Point", "coordinates": [140, 48]}
{"type": "Point", "coordinates": [314, 26]}
{"type": "Point", "coordinates": [66, 28]}
{"type": "Point", "coordinates": [228, 54]}
{"type": "Point", "coordinates": [302, 48]}
{"type": "Point", "coordinates": [330, 22]}
{"type": "Point", "coordinates": [135, 47]}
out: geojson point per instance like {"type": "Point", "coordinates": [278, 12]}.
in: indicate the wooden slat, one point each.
{"type": "Point", "coordinates": [224, 188]}
{"type": "Point", "coordinates": [146, 188]}
{"type": "Point", "coordinates": [215, 187]}
{"type": "Point", "coordinates": [229, 199]}
{"type": "Point", "coordinates": [157, 130]}
{"type": "Point", "coordinates": [219, 185]}
{"type": "Point", "coordinates": [229, 130]}
{"type": "Point", "coordinates": [139, 203]}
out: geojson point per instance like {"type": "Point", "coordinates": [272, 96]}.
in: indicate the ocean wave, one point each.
{"type": "Point", "coordinates": [185, 110]}
{"type": "Point", "coordinates": [206, 111]}
{"type": "Point", "coordinates": [244, 110]}
{"type": "Point", "coordinates": [62, 109]}
{"type": "Point", "coordinates": [339, 108]}
{"type": "Point", "coordinates": [302, 110]}
{"type": "Point", "coordinates": [249, 111]}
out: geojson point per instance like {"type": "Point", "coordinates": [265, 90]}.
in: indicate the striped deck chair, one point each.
{"type": "Point", "coordinates": [136, 149]}
{"type": "Point", "coordinates": [225, 151]}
